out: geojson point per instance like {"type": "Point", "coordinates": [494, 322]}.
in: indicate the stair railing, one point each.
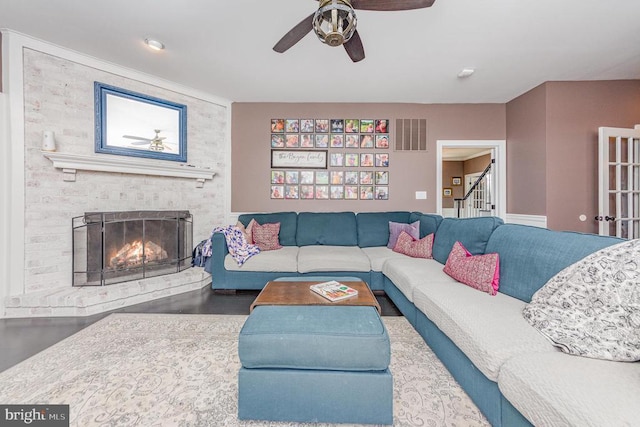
{"type": "Point", "coordinates": [480, 185]}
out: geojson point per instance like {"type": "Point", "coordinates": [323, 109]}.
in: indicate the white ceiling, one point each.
{"type": "Point", "coordinates": [462, 154]}
{"type": "Point", "coordinates": [224, 47]}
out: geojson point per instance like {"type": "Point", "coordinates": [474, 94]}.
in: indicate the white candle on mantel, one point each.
{"type": "Point", "coordinates": [48, 141]}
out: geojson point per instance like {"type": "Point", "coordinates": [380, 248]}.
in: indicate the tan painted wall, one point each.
{"type": "Point", "coordinates": [526, 153]}
{"type": "Point", "coordinates": [449, 170]}
{"type": "Point", "coordinates": [552, 147]}
{"type": "Point", "coordinates": [575, 110]}
{"type": "Point", "coordinates": [408, 172]}
{"type": "Point", "coordinates": [551, 134]}
{"type": "Point", "coordinates": [477, 164]}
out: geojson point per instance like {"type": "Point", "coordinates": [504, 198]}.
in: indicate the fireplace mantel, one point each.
{"type": "Point", "coordinates": [70, 163]}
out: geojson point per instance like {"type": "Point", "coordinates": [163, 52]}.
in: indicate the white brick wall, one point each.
{"type": "Point", "coordinates": [59, 96]}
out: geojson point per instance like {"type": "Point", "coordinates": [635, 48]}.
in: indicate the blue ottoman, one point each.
{"type": "Point", "coordinates": [315, 364]}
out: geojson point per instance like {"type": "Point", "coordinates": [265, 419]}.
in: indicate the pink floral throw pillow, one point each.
{"type": "Point", "coordinates": [266, 236]}
{"type": "Point", "coordinates": [407, 245]}
{"type": "Point", "coordinates": [481, 272]}
{"type": "Point", "coordinates": [248, 231]}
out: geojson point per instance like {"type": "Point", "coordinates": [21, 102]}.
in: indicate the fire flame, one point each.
{"type": "Point", "coordinates": [133, 254]}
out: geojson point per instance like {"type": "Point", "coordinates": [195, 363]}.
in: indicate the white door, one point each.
{"type": "Point", "coordinates": [619, 182]}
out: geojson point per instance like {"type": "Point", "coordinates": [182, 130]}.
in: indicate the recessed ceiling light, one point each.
{"type": "Point", "coordinates": [154, 44]}
{"type": "Point", "coordinates": [466, 72]}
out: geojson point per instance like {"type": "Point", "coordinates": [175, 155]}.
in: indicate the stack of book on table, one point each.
{"type": "Point", "coordinates": [334, 291]}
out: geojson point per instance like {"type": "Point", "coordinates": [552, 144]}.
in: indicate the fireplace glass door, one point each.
{"type": "Point", "coordinates": [114, 247]}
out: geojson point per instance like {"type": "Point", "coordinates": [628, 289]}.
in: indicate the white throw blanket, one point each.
{"type": "Point", "coordinates": [592, 308]}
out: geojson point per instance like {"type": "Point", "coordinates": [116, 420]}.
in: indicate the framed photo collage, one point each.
{"type": "Point", "coordinates": [330, 159]}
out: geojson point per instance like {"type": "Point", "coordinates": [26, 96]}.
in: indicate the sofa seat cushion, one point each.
{"type": "Point", "coordinates": [284, 259]}
{"type": "Point", "coordinates": [488, 329]}
{"type": "Point", "coordinates": [406, 273]}
{"type": "Point", "coordinates": [561, 389]}
{"type": "Point", "coordinates": [379, 254]}
{"type": "Point", "coordinates": [332, 258]}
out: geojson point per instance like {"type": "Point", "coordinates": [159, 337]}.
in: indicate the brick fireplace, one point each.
{"type": "Point", "coordinates": [57, 95]}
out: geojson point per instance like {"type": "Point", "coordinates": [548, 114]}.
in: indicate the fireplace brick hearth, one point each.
{"type": "Point", "coordinates": [88, 300]}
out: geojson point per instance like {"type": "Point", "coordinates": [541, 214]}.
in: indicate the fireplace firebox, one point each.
{"type": "Point", "coordinates": [115, 247]}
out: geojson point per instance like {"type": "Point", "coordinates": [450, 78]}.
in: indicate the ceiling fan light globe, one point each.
{"type": "Point", "coordinates": [334, 22]}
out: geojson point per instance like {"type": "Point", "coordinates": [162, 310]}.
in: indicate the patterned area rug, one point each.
{"type": "Point", "coordinates": [167, 369]}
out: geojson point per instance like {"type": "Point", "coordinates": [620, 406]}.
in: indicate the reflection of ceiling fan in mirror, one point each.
{"type": "Point", "coordinates": [155, 144]}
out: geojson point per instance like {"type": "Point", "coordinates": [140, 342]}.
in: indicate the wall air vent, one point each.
{"type": "Point", "coordinates": [411, 135]}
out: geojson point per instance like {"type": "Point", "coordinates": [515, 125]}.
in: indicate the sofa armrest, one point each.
{"type": "Point", "coordinates": [219, 251]}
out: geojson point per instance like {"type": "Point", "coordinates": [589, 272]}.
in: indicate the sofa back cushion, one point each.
{"type": "Point", "coordinates": [530, 256]}
{"type": "Point", "coordinates": [373, 227]}
{"type": "Point", "coordinates": [327, 228]}
{"type": "Point", "coordinates": [428, 222]}
{"type": "Point", "coordinates": [473, 233]}
{"type": "Point", "coordinates": [288, 224]}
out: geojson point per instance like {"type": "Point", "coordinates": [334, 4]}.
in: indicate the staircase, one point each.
{"type": "Point", "coordinates": [478, 201]}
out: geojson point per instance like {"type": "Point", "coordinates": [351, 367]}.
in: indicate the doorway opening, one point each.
{"type": "Point", "coordinates": [446, 191]}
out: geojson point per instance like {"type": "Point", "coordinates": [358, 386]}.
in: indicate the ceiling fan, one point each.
{"type": "Point", "coordinates": [155, 144]}
{"type": "Point", "coordinates": [335, 23]}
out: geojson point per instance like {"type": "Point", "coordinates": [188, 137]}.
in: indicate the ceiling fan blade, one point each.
{"type": "Point", "coordinates": [139, 138]}
{"type": "Point", "coordinates": [295, 34]}
{"type": "Point", "coordinates": [388, 5]}
{"type": "Point", "coordinates": [354, 47]}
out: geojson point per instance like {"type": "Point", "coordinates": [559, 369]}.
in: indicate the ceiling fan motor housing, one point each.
{"type": "Point", "coordinates": [334, 22]}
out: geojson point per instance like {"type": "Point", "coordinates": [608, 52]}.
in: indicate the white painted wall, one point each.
{"type": "Point", "coordinates": [5, 186]}
{"type": "Point", "coordinates": [51, 88]}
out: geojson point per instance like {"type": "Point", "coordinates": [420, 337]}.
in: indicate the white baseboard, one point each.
{"type": "Point", "coordinates": [533, 220]}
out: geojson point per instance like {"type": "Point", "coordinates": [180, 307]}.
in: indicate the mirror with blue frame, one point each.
{"type": "Point", "coordinates": [133, 124]}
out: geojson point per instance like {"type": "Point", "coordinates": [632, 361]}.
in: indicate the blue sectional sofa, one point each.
{"type": "Point", "coordinates": [513, 374]}
{"type": "Point", "coordinates": [333, 243]}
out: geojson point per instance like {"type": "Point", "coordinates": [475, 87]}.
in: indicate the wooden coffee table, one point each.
{"type": "Point", "coordinates": [298, 293]}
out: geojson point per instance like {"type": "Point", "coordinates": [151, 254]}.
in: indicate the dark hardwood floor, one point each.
{"type": "Point", "coordinates": [22, 338]}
